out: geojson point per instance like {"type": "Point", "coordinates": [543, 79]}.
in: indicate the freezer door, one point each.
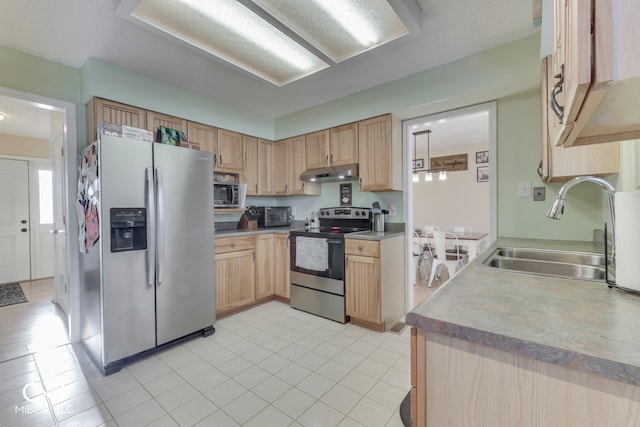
{"type": "Point", "coordinates": [185, 288]}
{"type": "Point", "coordinates": [128, 300]}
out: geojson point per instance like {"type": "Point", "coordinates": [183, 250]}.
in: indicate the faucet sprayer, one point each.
{"type": "Point", "coordinates": [558, 205]}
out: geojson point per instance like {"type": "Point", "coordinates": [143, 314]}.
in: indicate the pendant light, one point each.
{"type": "Point", "coordinates": [416, 176]}
{"type": "Point", "coordinates": [428, 175]}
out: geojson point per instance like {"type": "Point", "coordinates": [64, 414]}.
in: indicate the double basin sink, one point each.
{"type": "Point", "coordinates": [550, 262]}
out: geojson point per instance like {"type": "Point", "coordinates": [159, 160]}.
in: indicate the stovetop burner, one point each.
{"type": "Point", "coordinates": [336, 222]}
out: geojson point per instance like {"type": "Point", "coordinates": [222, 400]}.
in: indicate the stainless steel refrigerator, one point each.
{"type": "Point", "coordinates": [147, 235]}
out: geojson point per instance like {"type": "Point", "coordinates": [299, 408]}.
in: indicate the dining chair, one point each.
{"type": "Point", "coordinates": [453, 262]}
{"type": "Point", "coordinates": [416, 255]}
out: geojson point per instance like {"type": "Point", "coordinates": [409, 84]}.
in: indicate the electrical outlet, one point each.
{"type": "Point", "coordinates": [393, 210]}
{"type": "Point", "coordinates": [293, 210]}
{"type": "Point", "coordinates": [524, 188]}
{"type": "Point", "coordinates": [539, 194]}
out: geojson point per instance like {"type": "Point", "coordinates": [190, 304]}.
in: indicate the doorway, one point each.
{"type": "Point", "coordinates": [61, 128]}
{"type": "Point", "coordinates": [468, 197]}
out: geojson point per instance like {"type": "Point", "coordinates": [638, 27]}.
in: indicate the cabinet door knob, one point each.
{"type": "Point", "coordinates": [24, 230]}
{"type": "Point", "coordinates": [233, 244]}
{"type": "Point", "coordinates": [360, 248]}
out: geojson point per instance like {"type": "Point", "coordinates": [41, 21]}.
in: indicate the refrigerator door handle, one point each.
{"type": "Point", "coordinates": [150, 199]}
{"type": "Point", "coordinates": [160, 226]}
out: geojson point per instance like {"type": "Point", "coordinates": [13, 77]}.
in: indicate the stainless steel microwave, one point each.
{"type": "Point", "coordinates": [226, 195]}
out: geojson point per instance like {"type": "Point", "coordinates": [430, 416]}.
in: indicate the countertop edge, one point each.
{"type": "Point", "coordinates": [613, 370]}
{"type": "Point", "coordinates": [373, 235]}
{"type": "Point", "coordinates": [236, 233]}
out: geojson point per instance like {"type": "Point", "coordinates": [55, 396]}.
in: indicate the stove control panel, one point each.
{"type": "Point", "coordinates": [345, 213]}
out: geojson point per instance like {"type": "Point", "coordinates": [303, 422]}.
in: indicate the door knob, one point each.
{"type": "Point", "coordinates": [24, 221]}
{"type": "Point", "coordinates": [24, 230]}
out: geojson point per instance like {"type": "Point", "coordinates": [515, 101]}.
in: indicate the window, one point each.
{"type": "Point", "coordinates": [45, 196]}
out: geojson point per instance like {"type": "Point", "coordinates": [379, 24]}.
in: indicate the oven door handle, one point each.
{"type": "Point", "coordinates": [334, 242]}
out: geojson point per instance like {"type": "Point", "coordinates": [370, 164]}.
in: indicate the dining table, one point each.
{"type": "Point", "coordinates": [473, 242]}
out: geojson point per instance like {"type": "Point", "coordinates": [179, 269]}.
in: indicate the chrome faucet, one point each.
{"type": "Point", "coordinates": [558, 206]}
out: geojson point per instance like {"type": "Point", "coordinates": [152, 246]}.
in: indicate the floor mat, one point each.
{"type": "Point", "coordinates": [11, 293]}
{"type": "Point", "coordinates": [398, 328]}
{"type": "Point", "coordinates": [405, 410]}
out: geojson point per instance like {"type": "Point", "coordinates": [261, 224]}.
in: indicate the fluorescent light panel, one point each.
{"type": "Point", "coordinates": [340, 29]}
{"type": "Point", "coordinates": [337, 29]}
{"type": "Point", "coordinates": [230, 31]}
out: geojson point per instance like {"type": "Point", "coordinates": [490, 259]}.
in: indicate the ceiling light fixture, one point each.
{"type": "Point", "coordinates": [229, 30]}
{"type": "Point", "coordinates": [428, 175]}
{"type": "Point", "coordinates": [276, 40]}
{"type": "Point", "coordinates": [339, 29]}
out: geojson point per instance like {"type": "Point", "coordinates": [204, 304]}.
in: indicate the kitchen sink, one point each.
{"type": "Point", "coordinates": [569, 264]}
{"type": "Point", "coordinates": [581, 258]}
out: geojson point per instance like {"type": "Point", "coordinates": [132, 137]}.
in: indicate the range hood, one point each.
{"type": "Point", "coordinates": [331, 174]}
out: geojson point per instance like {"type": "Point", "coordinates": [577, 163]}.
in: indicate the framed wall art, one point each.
{"type": "Point", "coordinates": [482, 157]}
{"type": "Point", "coordinates": [482, 174]}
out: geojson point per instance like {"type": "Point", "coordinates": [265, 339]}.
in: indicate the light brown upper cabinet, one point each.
{"type": "Point", "coordinates": [102, 110]}
{"type": "Point", "coordinates": [250, 164]}
{"type": "Point", "coordinates": [380, 154]}
{"type": "Point", "coordinates": [561, 163]}
{"type": "Point", "coordinates": [258, 166]}
{"type": "Point", "coordinates": [344, 145]}
{"type": "Point", "coordinates": [155, 120]}
{"type": "Point", "coordinates": [290, 163]}
{"type": "Point", "coordinates": [266, 168]}
{"type": "Point", "coordinates": [283, 167]}
{"type": "Point", "coordinates": [205, 135]}
{"type": "Point", "coordinates": [229, 150]}
{"type": "Point", "coordinates": [332, 147]}
{"type": "Point", "coordinates": [595, 70]}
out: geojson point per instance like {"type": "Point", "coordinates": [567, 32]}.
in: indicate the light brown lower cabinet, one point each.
{"type": "Point", "coordinates": [461, 383]}
{"type": "Point", "coordinates": [374, 281]}
{"type": "Point", "coordinates": [250, 269]}
{"type": "Point", "coordinates": [235, 261]}
{"type": "Point", "coordinates": [281, 265]}
{"type": "Point", "coordinates": [264, 265]}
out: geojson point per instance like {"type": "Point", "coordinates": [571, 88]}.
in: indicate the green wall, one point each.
{"type": "Point", "coordinates": [27, 73]}
{"type": "Point", "coordinates": [486, 76]}
{"type": "Point", "coordinates": [108, 81]}
{"type": "Point", "coordinates": [519, 153]}
{"type": "Point", "coordinates": [509, 74]}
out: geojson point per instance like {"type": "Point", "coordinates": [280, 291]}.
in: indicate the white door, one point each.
{"type": "Point", "coordinates": [61, 265]}
{"type": "Point", "coordinates": [14, 221]}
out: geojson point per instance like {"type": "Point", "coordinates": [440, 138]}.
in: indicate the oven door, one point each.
{"type": "Point", "coordinates": [335, 258]}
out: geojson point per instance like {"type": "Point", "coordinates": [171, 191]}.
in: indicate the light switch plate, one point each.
{"type": "Point", "coordinates": [393, 210]}
{"type": "Point", "coordinates": [539, 194]}
{"type": "Point", "coordinates": [524, 188]}
{"type": "Point", "coordinates": [293, 210]}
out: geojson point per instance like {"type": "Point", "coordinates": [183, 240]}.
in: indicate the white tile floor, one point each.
{"type": "Point", "coordinates": [268, 366]}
